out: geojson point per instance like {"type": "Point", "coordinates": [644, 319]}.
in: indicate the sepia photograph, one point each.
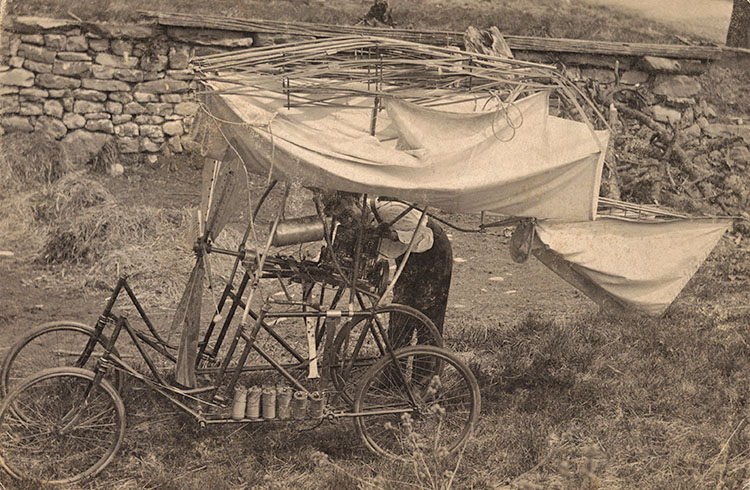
{"type": "Point", "coordinates": [374, 244]}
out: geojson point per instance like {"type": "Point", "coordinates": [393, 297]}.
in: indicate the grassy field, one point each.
{"type": "Point", "coordinates": [572, 399]}
{"type": "Point", "coordinates": [545, 18]}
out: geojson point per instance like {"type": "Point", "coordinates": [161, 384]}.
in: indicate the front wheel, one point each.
{"type": "Point", "coordinates": [427, 400]}
{"type": "Point", "coordinates": [71, 428]}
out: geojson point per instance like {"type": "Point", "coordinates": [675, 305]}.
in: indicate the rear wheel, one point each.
{"type": "Point", "coordinates": [71, 428]}
{"type": "Point", "coordinates": [359, 343]}
{"type": "Point", "coordinates": [55, 344]}
{"type": "Point", "coordinates": [412, 405]}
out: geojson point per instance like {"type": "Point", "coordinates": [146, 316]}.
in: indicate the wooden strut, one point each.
{"type": "Point", "coordinates": [438, 37]}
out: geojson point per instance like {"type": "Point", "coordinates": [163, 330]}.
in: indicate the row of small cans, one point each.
{"type": "Point", "coordinates": [280, 403]}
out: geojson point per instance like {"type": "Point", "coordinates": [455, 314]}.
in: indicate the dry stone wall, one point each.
{"type": "Point", "coordinates": [79, 81]}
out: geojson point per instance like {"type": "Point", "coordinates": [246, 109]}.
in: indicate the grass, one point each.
{"type": "Point", "coordinates": [574, 401]}
{"type": "Point", "coordinates": [545, 18]}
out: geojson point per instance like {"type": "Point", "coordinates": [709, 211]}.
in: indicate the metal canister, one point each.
{"type": "Point", "coordinates": [253, 403]}
{"type": "Point", "coordinates": [298, 230]}
{"type": "Point", "coordinates": [268, 403]}
{"type": "Point", "coordinates": [284, 402]}
{"type": "Point", "coordinates": [299, 405]}
{"type": "Point", "coordinates": [239, 402]}
{"type": "Point", "coordinates": [316, 409]}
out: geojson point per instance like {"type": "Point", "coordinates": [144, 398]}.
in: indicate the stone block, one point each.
{"type": "Point", "coordinates": [120, 31]}
{"type": "Point", "coordinates": [175, 144]}
{"type": "Point", "coordinates": [77, 43]}
{"type": "Point", "coordinates": [171, 98]}
{"type": "Point", "coordinates": [105, 85]}
{"type": "Point", "coordinates": [665, 114]}
{"type": "Point", "coordinates": [32, 39]}
{"type": "Point", "coordinates": [68, 103]}
{"type": "Point", "coordinates": [149, 145]}
{"type": "Point", "coordinates": [210, 37]}
{"type": "Point", "coordinates": [121, 118]}
{"type": "Point", "coordinates": [100, 125]}
{"type": "Point", "coordinates": [129, 74]}
{"type": "Point", "coordinates": [97, 115]}
{"type": "Point", "coordinates": [179, 58]}
{"type": "Point", "coordinates": [676, 86]}
{"type": "Point", "coordinates": [34, 24]}
{"type": "Point", "coordinates": [152, 131]}
{"type": "Point", "coordinates": [692, 132]}
{"type": "Point", "coordinates": [186, 108]}
{"type": "Point", "coordinates": [16, 61]}
{"type": "Point", "coordinates": [90, 95]}
{"type": "Point", "coordinates": [121, 46]}
{"type": "Point", "coordinates": [180, 74]}
{"type": "Point", "coordinates": [114, 107]}
{"type": "Point", "coordinates": [173, 128]}
{"type": "Point", "coordinates": [17, 123]}
{"type": "Point", "coordinates": [164, 86]}
{"type": "Point", "coordinates": [154, 63]}
{"type": "Point", "coordinates": [121, 97]}
{"type": "Point", "coordinates": [159, 108]}
{"type": "Point", "coordinates": [49, 80]}
{"type": "Point", "coordinates": [55, 42]}
{"type": "Point", "coordinates": [73, 121]}
{"type": "Point", "coordinates": [36, 53]}
{"type": "Point", "coordinates": [634, 77]}
{"type": "Point", "coordinates": [133, 108]}
{"type": "Point", "coordinates": [99, 44]}
{"type": "Point", "coordinates": [114, 61]}
{"type": "Point", "coordinates": [13, 46]}
{"type": "Point", "coordinates": [9, 104]}
{"type": "Point", "coordinates": [71, 68]}
{"type": "Point", "coordinates": [18, 77]}
{"type": "Point", "coordinates": [128, 129]}
{"type": "Point", "coordinates": [152, 75]}
{"type": "Point", "coordinates": [72, 56]}
{"type": "Point", "coordinates": [739, 154]}
{"type": "Point", "coordinates": [37, 67]}
{"type": "Point", "coordinates": [84, 106]}
{"type": "Point", "coordinates": [34, 94]}
{"type": "Point", "coordinates": [147, 119]}
{"type": "Point", "coordinates": [145, 97]}
{"type": "Point", "coordinates": [52, 126]}
{"type": "Point", "coordinates": [8, 90]}
{"type": "Point", "coordinates": [102, 72]}
{"type": "Point", "coordinates": [56, 93]}
{"type": "Point", "coordinates": [128, 145]}
{"type": "Point", "coordinates": [85, 143]}
{"type": "Point", "coordinates": [31, 109]}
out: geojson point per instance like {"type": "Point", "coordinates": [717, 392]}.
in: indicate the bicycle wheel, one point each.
{"type": "Point", "coordinates": [71, 428]}
{"type": "Point", "coordinates": [54, 344]}
{"type": "Point", "coordinates": [439, 416]}
{"type": "Point", "coordinates": [359, 344]}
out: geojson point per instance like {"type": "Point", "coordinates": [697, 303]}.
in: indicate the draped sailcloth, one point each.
{"type": "Point", "coordinates": [514, 159]}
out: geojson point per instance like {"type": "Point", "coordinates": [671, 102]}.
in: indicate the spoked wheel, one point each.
{"type": "Point", "coordinates": [359, 344]}
{"type": "Point", "coordinates": [406, 406]}
{"type": "Point", "coordinates": [55, 344]}
{"type": "Point", "coordinates": [71, 428]}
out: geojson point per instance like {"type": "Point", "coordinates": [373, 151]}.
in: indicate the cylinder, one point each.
{"type": "Point", "coordinates": [317, 405]}
{"type": "Point", "coordinates": [268, 402]}
{"type": "Point", "coordinates": [284, 402]}
{"type": "Point", "coordinates": [253, 403]}
{"type": "Point", "coordinates": [239, 402]}
{"type": "Point", "coordinates": [299, 405]}
{"type": "Point", "coordinates": [298, 230]}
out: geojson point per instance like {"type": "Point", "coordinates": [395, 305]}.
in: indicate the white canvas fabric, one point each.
{"type": "Point", "coordinates": [546, 167]}
{"type": "Point", "coordinates": [642, 265]}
